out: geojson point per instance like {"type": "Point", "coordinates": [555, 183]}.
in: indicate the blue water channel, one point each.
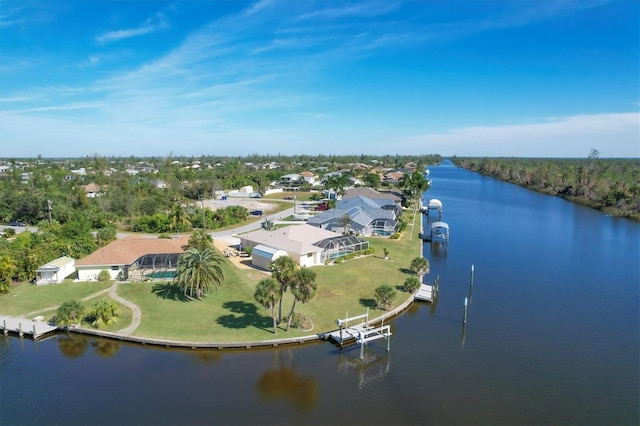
{"type": "Point", "coordinates": [552, 336]}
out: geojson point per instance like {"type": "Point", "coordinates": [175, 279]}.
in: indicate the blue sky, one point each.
{"type": "Point", "coordinates": [197, 77]}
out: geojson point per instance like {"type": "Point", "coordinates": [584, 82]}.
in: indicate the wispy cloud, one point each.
{"type": "Point", "coordinates": [155, 23]}
{"type": "Point", "coordinates": [615, 135]}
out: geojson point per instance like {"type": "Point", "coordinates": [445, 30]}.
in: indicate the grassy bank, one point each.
{"type": "Point", "coordinates": [230, 313]}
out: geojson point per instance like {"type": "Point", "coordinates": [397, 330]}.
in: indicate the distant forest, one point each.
{"type": "Point", "coordinates": [610, 185]}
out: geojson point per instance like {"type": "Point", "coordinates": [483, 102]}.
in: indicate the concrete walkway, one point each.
{"type": "Point", "coordinates": [137, 314]}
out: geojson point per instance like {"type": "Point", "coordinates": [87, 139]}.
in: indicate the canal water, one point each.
{"type": "Point", "coordinates": [552, 336]}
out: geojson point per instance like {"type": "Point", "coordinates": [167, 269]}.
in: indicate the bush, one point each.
{"type": "Point", "coordinates": [370, 250]}
{"type": "Point", "coordinates": [104, 275]}
{"type": "Point", "coordinates": [395, 236]}
{"type": "Point", "coordinates": [104, 312]}
{"type": "Point", "coordinates": [301, 321]}
{"type": "Point", "coordinates": [411, 284]}
{"type": "Point", "coordinates": [69, 313]}
{"type": "Point", "coordinates": [384, 296]}
{"type": "Point", "coordinates": [9, 232]}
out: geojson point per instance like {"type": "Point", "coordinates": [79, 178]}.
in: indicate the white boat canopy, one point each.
{"type": "Point", "coordinates": [434, 203]}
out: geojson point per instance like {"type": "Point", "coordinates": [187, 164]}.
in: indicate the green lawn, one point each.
{"type": "Point", "coordinates": [230, 313]}
{"type": "Point", "coordinates": [25, 298]}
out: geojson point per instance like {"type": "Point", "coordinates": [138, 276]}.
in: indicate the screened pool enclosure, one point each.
{"type": "Point", "coordinates": [339, 246]}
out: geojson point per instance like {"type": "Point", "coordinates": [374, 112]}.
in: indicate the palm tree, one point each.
{"type": "Point", "coordinates": [200, 240]}
{"type": "Point", "coordinates": [303, 288]}
{"type": "Point", "coordinates": [415, 184]}
{"type": "Point", "coordinates": [419, 266]}
{"type": "Point", "coordinates": [268, 295]}
{"type": "Point", "coordinates": [283, 271]}
{"type": "Point", "coordinates": [179, 218]}
{"type": "Point", "coordinates": [198, 270]}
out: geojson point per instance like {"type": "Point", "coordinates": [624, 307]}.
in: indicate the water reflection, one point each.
{"type": "Point", "coordinates": [439, 249]}
{"type": "Point", "coordinates": [284, 382]}
{"type": "Point", "coordinates": [71, 345]}
{"type": "Point", "coordinates": [371, 368]}
{"type": "Point", "coordinates": [105, 348]}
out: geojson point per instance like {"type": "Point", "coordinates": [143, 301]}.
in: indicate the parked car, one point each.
{"type": "Point", "coordinates": [17, 223]}
{"type": "Point", "coordinates": [256, 212]}
{"type": "Point", "coordinates": [322, 207]}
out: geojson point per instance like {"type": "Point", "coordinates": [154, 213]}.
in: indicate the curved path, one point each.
{"type": "Point", "coordinates": [137, 314]}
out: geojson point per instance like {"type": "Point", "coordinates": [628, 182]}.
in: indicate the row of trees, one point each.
{"type": "Point", "coordinates": [285, 276]}
{"type": "Point", "coordinates": [611, 185]}
{"type": "Point", "coordinates": [20, 257]}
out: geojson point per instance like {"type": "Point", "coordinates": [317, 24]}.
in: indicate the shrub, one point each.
{"type": "Point", "coordinates": [411, 284]}
{"type": "Point", "coordinates": [395, 236]}
{"type": "Point", "coordinates": [9, 232]}
{"type": "Point", "coordinates": [384, 296]}
{"type": "Point", "coordinates": [104, 312]}
{"type": "Point", "coordinates": [69, 313]}
{"type": "Point", "coordinates": [104, 275]}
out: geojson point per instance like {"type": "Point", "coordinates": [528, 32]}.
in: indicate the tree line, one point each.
{"type": "Point", "coordinates": [610, 185]}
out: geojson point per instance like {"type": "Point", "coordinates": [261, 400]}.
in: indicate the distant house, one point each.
{"type": "Point", "coordinates": [131, 258]}
{"type": "Point", "coordinates": [310, 177]}
{"type": "Point", "coordinates": [92, 190]}
{"type": "Point", "coordinates": [381, 198]}
{"type": "Point", "coordinates": [393, 177]}
{"type": "Point", "coordinates": [55, 271]}
{"type": "Point", "coordinates": [307, 245]}
{"type": "Point", "coordinates": [292, 179]}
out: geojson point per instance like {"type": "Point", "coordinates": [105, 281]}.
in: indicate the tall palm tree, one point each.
{"type": "Point", "coordinates": [283, 271]}
{"type": "Point", "coordinates": [199, 270]}
{"type": "Point", "coordinates": [304, 288]}
{"type": "Point", "coordinates": [268, 295]}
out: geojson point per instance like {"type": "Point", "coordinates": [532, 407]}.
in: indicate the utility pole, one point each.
{"type": "Point", "coordinates": [49, 205]}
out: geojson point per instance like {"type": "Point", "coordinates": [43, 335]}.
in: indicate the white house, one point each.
{"type": "Point", "coordinates": [262, 256]}
{"type": "Point", "coordinates": [307, 245]}
{"type": "Point", "coordinates": [131, 256]}
{"type": "Point", "coordinates": [55, 271]}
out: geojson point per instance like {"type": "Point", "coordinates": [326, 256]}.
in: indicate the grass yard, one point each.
{"type": "Point", "coordinates": [230, 313]}
{"type": "Point", "coordinates": [25, 298]}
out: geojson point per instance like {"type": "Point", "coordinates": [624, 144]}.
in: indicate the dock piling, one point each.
{"type": "Point", "coordinates": [472, 270]}
{"type": "Point", "coordinates": [466, 305]}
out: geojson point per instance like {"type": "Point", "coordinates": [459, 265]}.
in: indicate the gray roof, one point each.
{"type": "Point", "coordinates": [357, 214]}
{"type": "Point", "coordinates": [371, 193]}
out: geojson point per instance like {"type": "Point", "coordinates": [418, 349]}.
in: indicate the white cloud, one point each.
{"type": "Point", "coordinates": [614, 135]}
{"type": "Point", "coordinates": [153, 24]}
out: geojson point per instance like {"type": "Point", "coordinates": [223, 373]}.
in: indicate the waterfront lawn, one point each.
{"type": "Point", "coordinates": [231, 314]}
{"type": "Point", "coordinates": [26, 298]}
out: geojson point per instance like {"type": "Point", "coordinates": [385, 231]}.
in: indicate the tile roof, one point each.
{"type": "Point", "coordinates": [126, 250]}
{"type": "Point", "coordinates": [295, 238]}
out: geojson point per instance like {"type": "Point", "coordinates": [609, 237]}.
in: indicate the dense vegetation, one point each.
{"type": "Point", "coordinates": [151, 195]}
{"type": "Point", "coordinates": [611, 185]}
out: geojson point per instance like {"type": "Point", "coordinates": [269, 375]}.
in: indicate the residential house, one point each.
{"type": "Point", "coordinates": [92, 190]}
{"type": "Point", "coordinates": [307, 245]}
{"type": "Point", "coordinates": [132, 258]}
{"type": "Point", "coordinates": [55, 271]}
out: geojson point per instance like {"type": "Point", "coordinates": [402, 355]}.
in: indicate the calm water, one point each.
{"type": "Point", "coordinates": [551, 337]}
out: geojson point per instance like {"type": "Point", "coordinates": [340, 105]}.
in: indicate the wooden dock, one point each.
{"type": "Point", "coordinates": [35, 328]}
{"type": "Point", "coordinates": [426, 293]}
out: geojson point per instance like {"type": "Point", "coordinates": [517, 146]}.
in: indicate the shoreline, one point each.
{"type": "Point", "coordinates": [258, 344]}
